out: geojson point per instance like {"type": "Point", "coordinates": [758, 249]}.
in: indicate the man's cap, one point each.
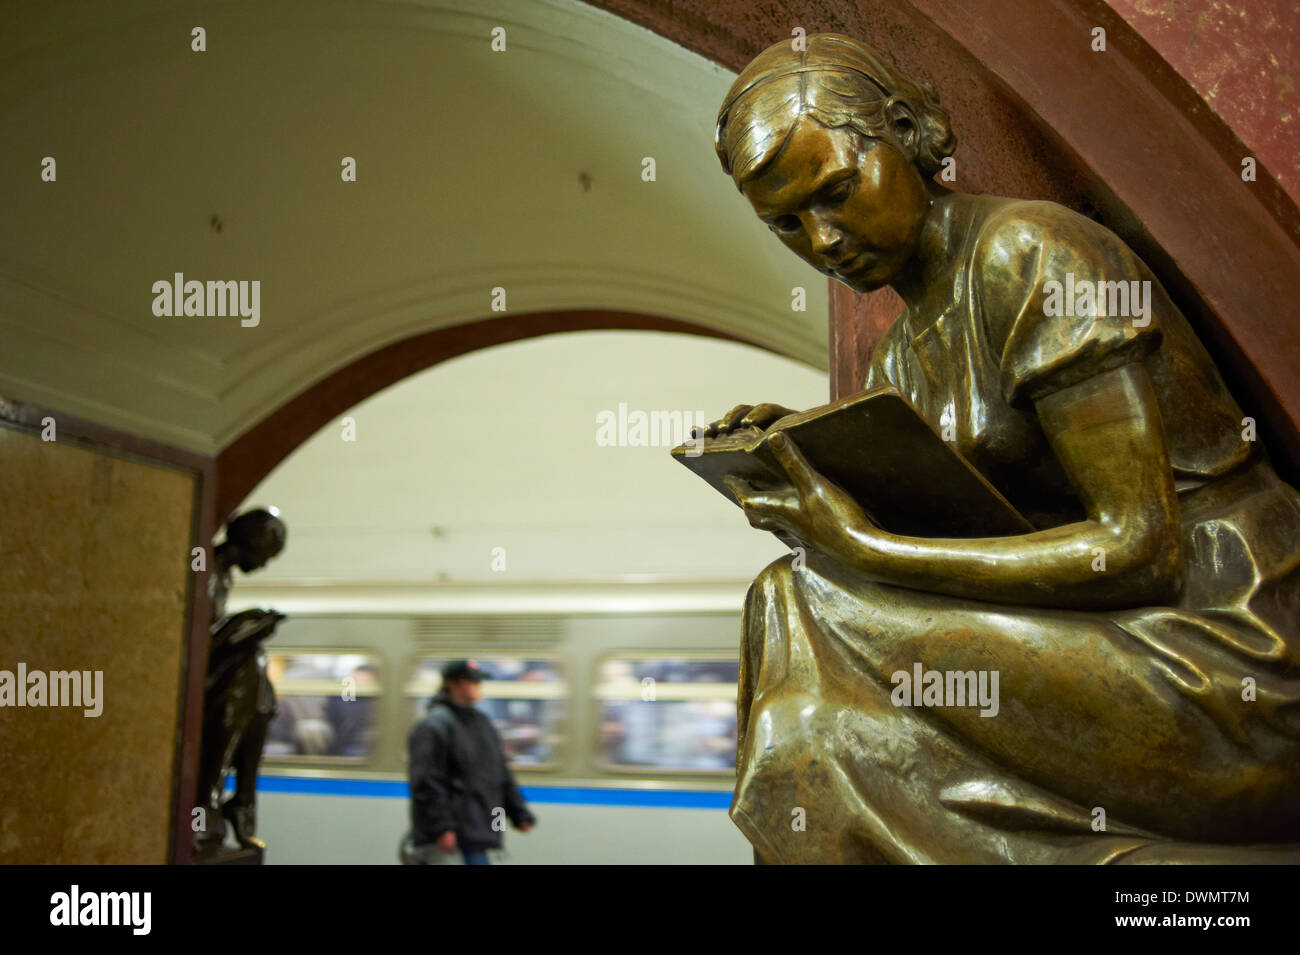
{"type": "Point", "coordinates": [463, 670]}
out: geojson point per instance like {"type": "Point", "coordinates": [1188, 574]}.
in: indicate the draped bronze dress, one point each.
{"type": "Point", "coordinates": [1177, 727]}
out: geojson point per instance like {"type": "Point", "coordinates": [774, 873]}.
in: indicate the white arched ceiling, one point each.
{"type": "Point", "coordinates": [476, 169]}
{"type": "Point", "coordinates": [407, 502]}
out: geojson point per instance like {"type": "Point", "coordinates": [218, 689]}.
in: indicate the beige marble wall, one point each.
{"type": "Point", "coordinates": [94, 571]}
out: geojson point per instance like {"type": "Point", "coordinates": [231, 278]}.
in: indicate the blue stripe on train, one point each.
{"type": "Point", "coordinates": [562, 795]}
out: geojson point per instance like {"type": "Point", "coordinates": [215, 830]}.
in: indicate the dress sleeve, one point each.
{"type": "Point", "coordinates": [1063, 298]}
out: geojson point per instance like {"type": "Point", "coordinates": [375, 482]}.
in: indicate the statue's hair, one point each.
{"type": "Point", "coordinates": [834, 79]}
{"type": "Point", "coordinates": [257, 523]}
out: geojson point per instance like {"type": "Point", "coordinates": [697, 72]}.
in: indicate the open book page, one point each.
{"type": "Point", "coordinates": [877, 448]}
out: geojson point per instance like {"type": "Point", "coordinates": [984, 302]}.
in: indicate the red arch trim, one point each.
{"type": "Point", "coordinates": [251, 456]}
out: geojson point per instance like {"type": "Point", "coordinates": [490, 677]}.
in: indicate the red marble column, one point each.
{"type": "Point", "coordinates": [856, 323]}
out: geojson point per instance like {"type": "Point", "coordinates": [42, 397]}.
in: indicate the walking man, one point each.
{"type": "Point", "coordinates": [462, 791]}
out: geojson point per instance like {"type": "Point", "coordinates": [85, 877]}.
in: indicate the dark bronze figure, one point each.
{"type": "Point", "coordinates": [239, 701]}
{"type": "Point", "coordinates": [1121, 683]}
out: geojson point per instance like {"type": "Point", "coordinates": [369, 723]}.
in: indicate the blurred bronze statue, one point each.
{"type": "Point", "coordinates": [1119, 682]}
{"type": "Point", "coordinates": [239, 701]}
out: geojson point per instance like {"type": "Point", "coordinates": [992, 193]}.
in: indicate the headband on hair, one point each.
{"type": "Point", "coordinates": [837, 53]}
{"type": "Point", "coordinates": [772, 77]}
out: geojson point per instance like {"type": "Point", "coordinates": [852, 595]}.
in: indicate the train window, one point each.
{"type": "Point", "coordinates": [668, 713]}
{"type": "Point", "coordinates": [327, 705]}
{"type": "Point", "coordinates": [525, 697]}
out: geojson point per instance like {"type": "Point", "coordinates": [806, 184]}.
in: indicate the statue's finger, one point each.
{"type": "Point", "coordinates": [773, 506]}
{"type": "Point", "coordinates": [738, 486]}
{"type": "Point", "coordinates": [792, 461]}
{"type": "Point", "coordinates": [759, 416]}
{"type": "Point", "coordinates": [737, 414]}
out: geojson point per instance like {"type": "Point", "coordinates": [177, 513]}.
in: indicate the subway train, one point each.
{"type": "Point", "coordinates": [620, 729]}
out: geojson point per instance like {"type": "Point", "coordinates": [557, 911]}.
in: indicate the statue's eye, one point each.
{"type": "Point", "coordinates": [786, 224]}
{"type": "Point", "coordinates": [840, 191]}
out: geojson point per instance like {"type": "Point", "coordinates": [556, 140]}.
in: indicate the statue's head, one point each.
{"type": "Point", "coordinates": [833, 148]}
{"type": "Point", "coordinates": [257, 536]}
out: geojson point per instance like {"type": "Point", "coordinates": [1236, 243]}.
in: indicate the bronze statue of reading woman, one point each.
{"type": "Point", "coordinates": [1145, 634]}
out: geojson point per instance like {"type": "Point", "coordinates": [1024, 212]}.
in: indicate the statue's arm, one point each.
{"type": "Point", "coordinates": [1106, 431]}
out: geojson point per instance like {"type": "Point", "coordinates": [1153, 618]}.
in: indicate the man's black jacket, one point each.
{"type": "Point", "coordinates": [459, 778]}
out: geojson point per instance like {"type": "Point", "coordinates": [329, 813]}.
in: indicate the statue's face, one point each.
{"type": "Point", "coordinates": [251, 561]}
{"type": "Point", "coordinates": [258, 550]}
{"type": "Point", "coordinates": [849, 206]}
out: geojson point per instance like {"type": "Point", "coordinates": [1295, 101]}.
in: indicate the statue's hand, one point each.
{"type": "Point", "coordinates": [810, 507]}
{"type": "Point", "coordinates": [746, 416]}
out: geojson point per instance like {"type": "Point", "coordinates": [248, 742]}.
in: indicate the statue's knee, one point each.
{"type": "Point", "coordinates": [780, 569]}
{"type": "Point", "coordinates": [772, 578]}
{"type": "Point", "coordinates": [788, 720]}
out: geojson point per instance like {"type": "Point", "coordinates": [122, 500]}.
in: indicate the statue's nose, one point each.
{"type": "Point", "coordinates": [827, 241]}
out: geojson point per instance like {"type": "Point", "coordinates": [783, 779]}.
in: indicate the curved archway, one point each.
{"type": "Point", "coordinates": [248, 459]}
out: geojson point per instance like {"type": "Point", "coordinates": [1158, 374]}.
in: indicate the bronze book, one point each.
{"type": "Point", "coordinates": [876, 447]}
